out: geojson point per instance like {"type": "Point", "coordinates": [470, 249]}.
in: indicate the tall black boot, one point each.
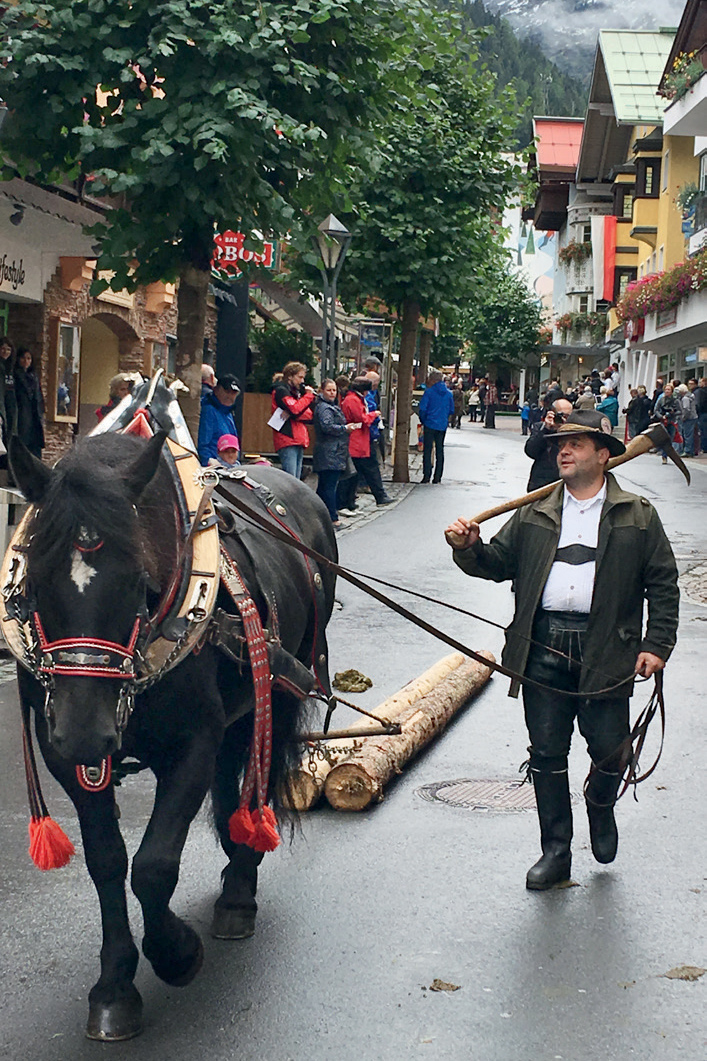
{"type": "Point", "coordinates": [600, 796]}
{"type": "Point", "coordinates": [552, 794]}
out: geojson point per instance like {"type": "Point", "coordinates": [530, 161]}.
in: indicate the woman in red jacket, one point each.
{"type": "Point", "coordinates": [292, 408]}
{"type": "Point", "coordinates": [356, 412]}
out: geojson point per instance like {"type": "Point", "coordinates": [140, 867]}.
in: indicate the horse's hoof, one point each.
{"type": "Point", "coordinates": [116, 1021]}
{"type": "Point", "coordinates": [233, 923]}
{"type": "Point", "coordinates": [176, 972]}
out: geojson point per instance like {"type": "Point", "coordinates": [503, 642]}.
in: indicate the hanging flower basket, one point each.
{"type": "Point", "coordinates": [575, 252]}
{"type": "Point", "coordinates": [579, 323]}
{"type": "Point", "coordinates": [653, 294]}
{"type": "Point", "coordinates": [687, 69]}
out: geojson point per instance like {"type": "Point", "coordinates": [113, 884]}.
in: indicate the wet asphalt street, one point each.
{"type": "Point", "coordinates": [364, 911]}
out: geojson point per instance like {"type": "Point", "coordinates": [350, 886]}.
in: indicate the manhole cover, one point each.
{"type": "Point", "coordinates": [482, 795]}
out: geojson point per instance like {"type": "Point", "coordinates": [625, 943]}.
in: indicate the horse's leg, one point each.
{"type": "Point", "coordinates": [235, 909]}
{"type": "Point", "coordinates": [115, 1006]}
{"type": "Point", "coordinates": [173, 948]}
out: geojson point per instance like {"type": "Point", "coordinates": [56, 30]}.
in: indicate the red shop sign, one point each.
{"type": "Point", "coordinates": [229, 250]}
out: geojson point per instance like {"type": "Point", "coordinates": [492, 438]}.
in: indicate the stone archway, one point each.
{"type": "Point", "coordinates": [108, 346]}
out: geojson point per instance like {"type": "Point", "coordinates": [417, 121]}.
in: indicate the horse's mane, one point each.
{"type": "Point", "coordinates": [87, 490]}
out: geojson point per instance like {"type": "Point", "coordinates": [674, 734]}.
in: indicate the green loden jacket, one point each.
{"type": "Point", "coordinates": [634, 562]}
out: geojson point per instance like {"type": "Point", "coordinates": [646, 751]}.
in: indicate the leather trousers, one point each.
{"type": "Point", "coordinates": [550, 716]}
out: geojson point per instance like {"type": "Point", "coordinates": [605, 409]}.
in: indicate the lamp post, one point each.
{"type": "Point", "coordinates": [332, 242]}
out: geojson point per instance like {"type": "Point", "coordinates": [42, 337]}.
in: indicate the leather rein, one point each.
{"type": "Point", "coordinates": [630, 749]}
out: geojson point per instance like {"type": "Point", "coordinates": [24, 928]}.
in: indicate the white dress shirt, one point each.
{"type": "Point", "coordinates": [570, 586]}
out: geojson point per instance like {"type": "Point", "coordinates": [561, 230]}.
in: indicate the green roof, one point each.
{"type": "Point", "coordinates": [634, 64]}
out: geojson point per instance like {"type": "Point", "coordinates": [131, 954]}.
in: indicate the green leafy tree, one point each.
{"type": "Point", "coordinates": [275, 346]}
{"type": "Point", "coordinates": [191, 115]}
{"type": "Point", "coordinates": [423, 221]}
{"type": "Point", "coordinates": [501, 320]}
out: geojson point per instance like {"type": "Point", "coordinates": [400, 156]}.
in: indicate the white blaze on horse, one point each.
{"type": "Point", "coordinates": [134, 654]}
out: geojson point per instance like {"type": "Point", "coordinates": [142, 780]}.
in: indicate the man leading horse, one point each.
{"type": "Point", "coordinates": [583, 560]}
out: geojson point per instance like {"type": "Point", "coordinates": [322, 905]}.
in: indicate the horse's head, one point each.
{"type": "Point", "coordinates": [86, 580]}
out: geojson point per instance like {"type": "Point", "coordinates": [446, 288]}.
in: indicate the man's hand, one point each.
{"type": "Point", "coordinates": [647, 664]}
{"type": "Point", "coordinates": [549, 421]}
{"type": "Point", "coordinates": [462, 533]}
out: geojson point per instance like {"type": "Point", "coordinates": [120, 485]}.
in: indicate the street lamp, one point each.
{"type": "Point", "coordinates": [332, 242]}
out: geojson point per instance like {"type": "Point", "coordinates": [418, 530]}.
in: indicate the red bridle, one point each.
{"type": "Point", "coordinates": [86, 657]}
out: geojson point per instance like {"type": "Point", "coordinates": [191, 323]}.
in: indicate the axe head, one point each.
{"type": "Point", "coordinates": [661, 440]}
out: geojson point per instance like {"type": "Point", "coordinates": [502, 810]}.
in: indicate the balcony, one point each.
{"type": "Point", "coordinates": [686, 325]}
{"type": "Point", "coordinates": [579, 277]}
{"type": "Point", "coordinates": [551, 207]}
{"type": "Point", "coordinates": [688, 116]}
{"type": "Point", "coordinates": [699, 231]}
{"type": "Point", "coordinates": [645, 221]}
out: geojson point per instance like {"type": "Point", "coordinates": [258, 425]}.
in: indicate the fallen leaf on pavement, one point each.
{"type": "Point", "coordinates": [685, 972]}
{"type": "Point", "coordinates": [440, 985]}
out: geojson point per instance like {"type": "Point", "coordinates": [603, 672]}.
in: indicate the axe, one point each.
{"type": "Point", "coordinates": [653, 437]}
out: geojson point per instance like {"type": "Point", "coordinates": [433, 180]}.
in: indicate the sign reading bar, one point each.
{"type": "Point", "coordinates": [229, 249]}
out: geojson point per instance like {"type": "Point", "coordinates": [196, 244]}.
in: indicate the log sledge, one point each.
{"type": "Point", "coordinates": [359, 780]}
{"type": "Point", "coordinates": [306, 786]}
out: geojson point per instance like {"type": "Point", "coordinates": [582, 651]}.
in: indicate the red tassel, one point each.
{"type": "Point", "coordinates": [49, 846]}
{"type": "Point", "coordinates": [266, 836]}
{"type": "Point", "coordinates": [241, 828]}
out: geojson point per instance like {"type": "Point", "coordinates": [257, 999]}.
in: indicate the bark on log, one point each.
{"type": "Point", "coordinates": [306, 787]}
{"type": "Point", "coordinates": [360, 780]}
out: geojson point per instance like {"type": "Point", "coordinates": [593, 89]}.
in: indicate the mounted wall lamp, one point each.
{"type": "Point", "coordinates": [17, 217]}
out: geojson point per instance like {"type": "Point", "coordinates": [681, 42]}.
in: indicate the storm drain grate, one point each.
{"type": "Point", "coordinates": [482, 795]}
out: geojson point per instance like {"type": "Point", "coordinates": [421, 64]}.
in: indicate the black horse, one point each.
{"type": "Point", "coordinates": [193, 727]}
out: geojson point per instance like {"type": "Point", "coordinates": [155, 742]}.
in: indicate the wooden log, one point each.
{"type": "Point", "coordinates": [306, 787]}
{"type": "Point", "coordinates": [360, 779]}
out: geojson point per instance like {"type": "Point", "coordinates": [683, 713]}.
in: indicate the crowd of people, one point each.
{"type": "Point", "coordinates": [349, 443]}
{"type": "Point", "coordinates": [21, 400]}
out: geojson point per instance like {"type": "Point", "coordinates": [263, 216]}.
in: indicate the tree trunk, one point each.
{"type": "Point", "coordinates": [360, 780]}
{"type": "Point", "coordinates": [304, 788]}
{"type": "Point", "coordinates": [403, 400]}
{"type": "Point", "coordinates": [191, 323]}
{"type": "Point", "coordinates": [426, 338]}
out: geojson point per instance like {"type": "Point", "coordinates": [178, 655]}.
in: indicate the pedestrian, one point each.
{"type": "Point", "coordinates": [119, 387]}
{"type": "Point", "coordinates": [525, 418]}
{"type": "Point", "coordinates": [436, 407]}
{"type": "Point", "coordinates": [331, 446]}
{"type": "Point", "coordinates": [292, 410]}
{"type": "Point", "coordinates": [638, 411]}
{"type": "Point", "coordinates": [659, 384]}
{"type": "Point", "coordinates": [474, 403]}
{"type": "Point", "coordinates": [552, 394]}
{"type": "Point", "coordinates": [491, 403]}
{"type": "Point", "coordinates": [669, 410]}
{"type": "Point", "coordinates": [8, 401]}
{"type": "Point", "coordinates": [30, 403]}
{"type": "Point", "coordinates": [584, 560]}
{"type": "Point", "coordinates": [482, 398]}
{"type": "Point", "coordinates": [217, 418]}
{"type": "Point", "coordinates": [372, 400]}
{"type": "Point", "coordinates": [609, 406]}
{"type": "Point", "coordinates": [366, 463]}
{"type": "Point", "coordinates": [701, 403]}
{"type": "Point", "coordinates": [688, 405]}
{"type": "Point", "coordinates": [544, 458]}
{"type": "Point", "coordinates": [585, 399]}
{"type": "Point", "coordinates": [229, 451]}
{"type": "Point", "coordinates": [208, 380]}
{"type": "Point", "coordinates": [346, 489]}
{"type": "Point", "coordinates": [458, 399]}
{"type": "Point", "coordinates": [595, 382]}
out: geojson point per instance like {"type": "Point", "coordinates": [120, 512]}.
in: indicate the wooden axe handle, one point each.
{"type": "Point", "coordinates": [640, 444]}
